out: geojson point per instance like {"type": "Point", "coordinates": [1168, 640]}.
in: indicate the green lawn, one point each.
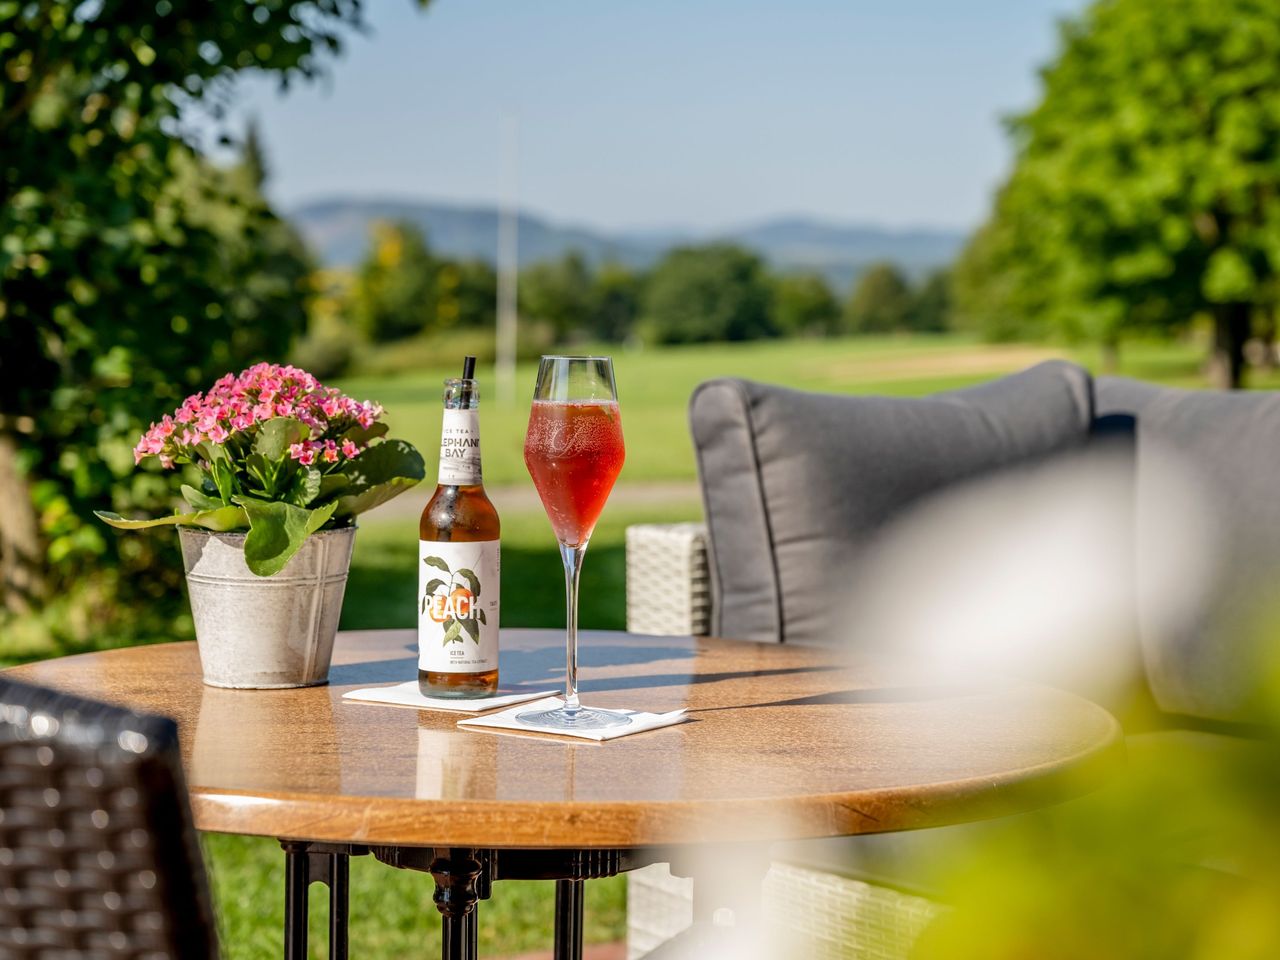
{"type": "Point", "coordinates": [392, 911]}
{"type": "Point", "coordinates": [654, 387]}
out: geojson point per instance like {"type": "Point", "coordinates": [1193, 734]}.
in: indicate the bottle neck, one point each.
{"type": "Point", "coordinates": [460, 446]}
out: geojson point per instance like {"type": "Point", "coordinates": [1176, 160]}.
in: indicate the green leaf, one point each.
{"type": "Point", "coordinates": [453, 631]}
{"type": "Point", "coordinates": [223, 477]}
{"type": "Point", "coordinates": [380, 473]}
{"type": "Point", "coordinates": [331, 483]}
{"type": "Point", "coordinates": [480, 614]}
{"type": "Point", "coordinates": [472, 580]}
{"type": "Point", "coordinates": [433, 586]}
{"type": "Point", "coordinates": [306, 486]}
{"type": "Point", "coordinates": [362, 435]}
{"type": "Point", "coordinates": [257, 467]}
{"type": "Point", "coordinates": [276, 532]}
{"type": "Point", "coordinates": [199, 500]}
{"type": "Point", "coordinates": [277, 435]}
{"type": "Point", "coordinates": [472, 628]}
{"type": "Point", "coordinates": [221, 519]}
{"type": "Point", "coordinates": [437, 563]}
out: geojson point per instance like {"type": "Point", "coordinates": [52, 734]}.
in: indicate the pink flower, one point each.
{"type": "Point", "coordinates": [217, 433]}
{"type": "Point", "coordinates": [304, 452]}
{"type": "Point", "coordinates": [332, 407]}
{"type": "Point", "coordinates": [350, 450]}
{"type": "Point", "coordinates": [330, 452]}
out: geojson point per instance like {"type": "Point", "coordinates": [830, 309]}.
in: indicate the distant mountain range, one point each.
{"type": "Point", "coordinates": [337, 230]}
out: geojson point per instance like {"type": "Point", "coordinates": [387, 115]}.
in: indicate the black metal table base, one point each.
{"type": "Point", "coordinates": [463, 877]}
{"type": "Point", "coordinates": [307, 863]}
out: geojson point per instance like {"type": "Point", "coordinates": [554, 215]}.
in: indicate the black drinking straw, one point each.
{"type": "Point", "coordinates": [468, 373]}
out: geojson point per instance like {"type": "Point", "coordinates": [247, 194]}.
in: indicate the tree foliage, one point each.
{"type": "Point", "coordinates": [131, 271]}
{"type": "Point", "coordinates": [615, 303]}
{"type": "Point", "coordinates": [558, 292]}
{"type": "Point", "coordinates": [804, 305]}
{"type": "Point", "coordinates": [702, 294]}
{"type": "Point", "coordinates": [880, 301]}
{"type": "Point", "coordinates": [395, 293]}
{"type": "Point", "coordinates": [1146, 188]}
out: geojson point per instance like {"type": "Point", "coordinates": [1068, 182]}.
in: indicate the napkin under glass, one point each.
{"type": "Point", "coordinates": [640, 721]}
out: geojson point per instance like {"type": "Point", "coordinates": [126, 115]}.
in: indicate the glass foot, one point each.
{"type": "Point", "coordinates": [584, 718]}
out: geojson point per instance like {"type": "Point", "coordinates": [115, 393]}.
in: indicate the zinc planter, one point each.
{"type": "Point", "coordinates": [265, 632]}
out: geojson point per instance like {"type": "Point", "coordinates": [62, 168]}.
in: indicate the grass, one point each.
{"type": "Point", "coordinates": [654, 386]}
{"type": "Point", "coordinates": [392, 910]}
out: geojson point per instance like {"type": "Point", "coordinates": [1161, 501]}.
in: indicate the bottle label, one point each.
{"type": "Point", "coordinates": [460, 448]}
{"type": "Point", "coordinates": [458, 589]}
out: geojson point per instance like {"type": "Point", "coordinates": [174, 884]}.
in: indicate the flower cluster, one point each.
{"type": "Point", "coordinates": [235, 404]}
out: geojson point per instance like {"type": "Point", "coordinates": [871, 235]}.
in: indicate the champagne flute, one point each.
{"type": "Point", "coordinates": [574, 451]}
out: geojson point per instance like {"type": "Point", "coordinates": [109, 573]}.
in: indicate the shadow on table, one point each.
{"type": "Point", "coordinates": [546, 665]}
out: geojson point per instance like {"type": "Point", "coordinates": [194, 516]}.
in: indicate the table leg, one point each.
{"type": "Point", "coordinates": [339, 905]}
{"type": "Point", "coordinates": [457, 875]}
{"type": "Point", "coordinates": [568, 920]}
{"type": "Point", "coordinates": [296, 881]}
{"type": "Point", "coordinates": [307, 863]}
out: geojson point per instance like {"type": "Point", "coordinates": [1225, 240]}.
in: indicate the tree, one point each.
{"type": "Point", "coordinates": [803, 305]}
{"type": "Point", "coordinates": [930, 310]}
{"type": "Point", "coordinates": [559, 294]}
{"type": "Point", "coordinates": [702, 294]}
{"type": "Point", "coordinates": [395, 292]}
{"type": "Point", "coordinates": [880, 302]}
{"type": "Point", "coordinates": [468, 293]}
{"type": "Point", "coordinates": [1145, 190]}
{"type": "Point", "coordinates": [615, 303]}
{"type": "Point", "coordinates": [131, 271]}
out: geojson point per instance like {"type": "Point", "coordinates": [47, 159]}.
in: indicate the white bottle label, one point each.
{"type": "Point", "coordinates": [460, 448]}
{"type": "Point", "coordinates": [458, 591]}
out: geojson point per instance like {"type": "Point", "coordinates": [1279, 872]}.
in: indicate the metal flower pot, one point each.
{"type": "Point", "coordinates": [265, 632]}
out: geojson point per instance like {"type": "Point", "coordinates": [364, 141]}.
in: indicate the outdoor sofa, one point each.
{"type": "Point", "coordinates": [796, 486]}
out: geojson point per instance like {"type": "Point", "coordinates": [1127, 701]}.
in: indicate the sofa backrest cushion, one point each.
{"type": "Point", "coordinates": [796, 484]}
{"type": "Point", "coordinates": [1208, 664]}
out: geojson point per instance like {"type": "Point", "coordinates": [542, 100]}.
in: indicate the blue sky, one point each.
{"type": "Point", "coordinates": [658, 113]}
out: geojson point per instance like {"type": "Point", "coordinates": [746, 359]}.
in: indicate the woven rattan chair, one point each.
{"type": "Point", "coordinates": [833, 917]}
{"type": "Point", "coordinates": [98, 857]}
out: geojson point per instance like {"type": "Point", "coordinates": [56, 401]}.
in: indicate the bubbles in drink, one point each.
{"type": "Point", "coordinates": [574, 451]}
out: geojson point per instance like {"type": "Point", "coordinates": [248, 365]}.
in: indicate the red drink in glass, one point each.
{"type": "Point", "coordinates": [574, 452]}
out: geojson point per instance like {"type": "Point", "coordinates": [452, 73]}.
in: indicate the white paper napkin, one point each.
{"type": "Point", "coordinates": [407, 694]}
{"type": "Point", "coordinates": [506, 720]}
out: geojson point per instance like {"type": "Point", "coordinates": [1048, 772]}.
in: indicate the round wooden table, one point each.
{"type": "Point", "coordinates": [782, 742]}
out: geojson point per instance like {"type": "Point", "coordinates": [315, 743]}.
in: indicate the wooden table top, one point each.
{"type": "Point", "coordinates": [783, 742]}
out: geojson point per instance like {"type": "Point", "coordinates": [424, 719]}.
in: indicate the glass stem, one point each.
{"type": "Point", "coordinates": [572, 557]}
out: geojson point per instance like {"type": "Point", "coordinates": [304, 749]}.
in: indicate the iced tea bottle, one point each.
{"type": "Point", "coordinates": [459, 562]}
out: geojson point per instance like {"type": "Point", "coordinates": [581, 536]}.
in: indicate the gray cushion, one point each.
{"type": "Point", "coordinates": [796, 484]}
{"type": "Point", "coordinates": [1228, 445]}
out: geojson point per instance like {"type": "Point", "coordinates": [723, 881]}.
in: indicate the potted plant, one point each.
{"type": "Point", "coordinates": [285, 465]}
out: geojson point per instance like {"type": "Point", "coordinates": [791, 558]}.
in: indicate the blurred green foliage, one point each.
{"type": "Point", "coordinates": [804, 305]}
{"type": "Point", "coordinates": [394, 295]}
{"type": "Point", "coordinates": [880, 301]}
{"type": "Point", "coordinates": [708, 293]}
{"type": "Point", "coordinates": [1146, 187]}
{"type": "Point", "coordinates": [559, 293]}
{"type": "Point", "coordinates": [132, 271]}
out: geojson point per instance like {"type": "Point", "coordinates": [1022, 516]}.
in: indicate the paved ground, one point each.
{"type": "Point", "coordinates": [523, 497]}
